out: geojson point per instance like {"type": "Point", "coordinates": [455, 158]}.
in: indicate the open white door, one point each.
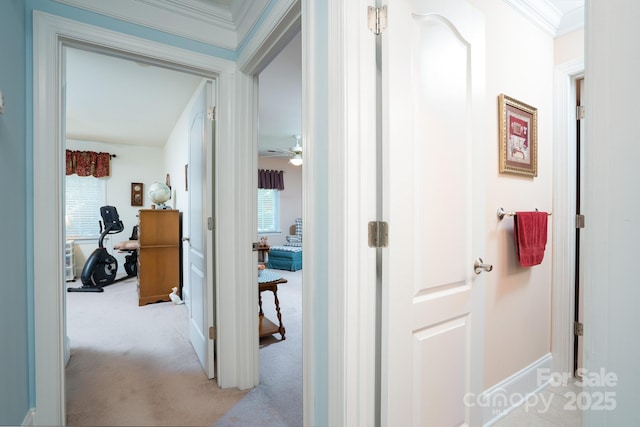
{"type": "Point", "coordinates": [199, 292]}
{"type": "Point", "coordinates": [434, 202]}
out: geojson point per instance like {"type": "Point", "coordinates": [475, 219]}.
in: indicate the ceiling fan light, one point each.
{"type": "Point", "coordinates": [297, 149]}
{"type": "Point", "coordinates": [296, 160]}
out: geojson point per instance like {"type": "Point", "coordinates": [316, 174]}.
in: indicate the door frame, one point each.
{"type": "Point", "coordinates": [564, 208]}
{"type": "Point", "coordinates": [50, 33]}
{"type": "Point", "coordinates": [339, 198]}
{"type": "Point", "coordinates": [339, 366]}
{"type": "Point", "coordinates": [338, 374]}
{"type": "Point", "coordinates": [279, 27]}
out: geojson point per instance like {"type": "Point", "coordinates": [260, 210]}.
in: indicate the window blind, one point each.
{"type": "Point", "coordinates": [268, 211]}
{"type": "Point", "coordinates": [83, 198]}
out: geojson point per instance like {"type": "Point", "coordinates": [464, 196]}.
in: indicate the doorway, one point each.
{"type": "Point", "coordinates": [564, 225]}
{"type": "Point", "coordinates": [116, 84]}
{"type": "Point", "coordinates": [50, 33]}
{"type": "Point", "coordinates": [279, 122]}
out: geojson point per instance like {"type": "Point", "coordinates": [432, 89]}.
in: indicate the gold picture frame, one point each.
{"type": "Point", "coordinates": [518, 137]}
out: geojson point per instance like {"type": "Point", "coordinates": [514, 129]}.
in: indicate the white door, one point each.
{"type": "Point", "coordinates": [199, 293]}
{"type": "Point", "coordinates": [433, 200]}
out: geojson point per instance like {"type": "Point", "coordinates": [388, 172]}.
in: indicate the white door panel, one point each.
{"type": "Point", "coordinates": [200, 297]}
{"type": "Point", "coordinates": [433, 200]}
{"type": "Point", "coordinates": [434, 347]}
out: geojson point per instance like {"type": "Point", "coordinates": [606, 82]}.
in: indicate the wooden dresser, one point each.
{"type": "Point", "coordinates": [159, 254]}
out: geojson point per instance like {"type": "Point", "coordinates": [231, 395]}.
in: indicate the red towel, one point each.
{"type": "Point", "coordinates": [530, 234]}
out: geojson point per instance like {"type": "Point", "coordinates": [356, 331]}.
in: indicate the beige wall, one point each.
{"type": "Point", "coordinates": [518, 302]}
{"type": "Point", "coordinates": [290, 198]}
{"type": "Point", "coordinates": [569, 47]}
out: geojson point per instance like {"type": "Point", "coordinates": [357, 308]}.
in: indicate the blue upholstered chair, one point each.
{"type": "Point", "coordinates": [288, 256]}
{"type": "Point", "coordinates": [295, 239]}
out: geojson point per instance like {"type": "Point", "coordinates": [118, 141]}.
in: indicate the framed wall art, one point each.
{"type": "Point", "coordinates": [136, 194]}
{"type": "Point", "coordinates": [518, 137]}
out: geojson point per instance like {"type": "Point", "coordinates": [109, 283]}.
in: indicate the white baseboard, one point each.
{"type": "Point", "coordinates": [28, 419]}
{"type": "Point", "coordinates": [507, 395]}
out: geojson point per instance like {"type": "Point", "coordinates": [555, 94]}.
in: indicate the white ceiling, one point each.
{"type": "Point", "coordinates": [120, 101]}
{"type": "Point", "coordinates": [280, 99]}
{"type": "Point", "coordinates": [123, 102]}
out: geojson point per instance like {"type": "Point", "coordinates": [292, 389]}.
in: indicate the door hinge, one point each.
{"type": "Point", "coordinates": [580, 112]}
{"type": "Point", "coordinates": [211, 113]}
{"type": "Point", "coordinates": [213, 333]}
{"type": "Point", "coordinates": [210, 223]}
{"type": "Point", "coordinates": [578, 328]}
{"type": "Point", "coordinates": [378, 234]}
{"type": "Point", "coordinates": [579, 221]}
{"type": "Point", "coordinates": [377, 19]}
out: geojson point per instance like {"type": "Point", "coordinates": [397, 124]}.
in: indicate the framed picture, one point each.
{"type": "Point", "coordinates": [136, 194]}
{"type": "Point", "coordinates": [518, 137]}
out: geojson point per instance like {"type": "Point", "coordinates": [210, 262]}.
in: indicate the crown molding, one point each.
{"type": "Point", "coordinates": [196, 9]}
{"type": "Point", "coordinates": [193, 19]}
{"type": "Point", "coordinates": [571, 21]}
{"type": "Point", "coordinates": [548, 17]}
{"type": "Point", "coordinates": [541, 12]}
{"type": "Point", "coordinates": [246, 17]}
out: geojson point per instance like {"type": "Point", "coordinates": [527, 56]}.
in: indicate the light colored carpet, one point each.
{"type": "Point", "coordinates": [277, 401]}
{"type": "Point", "coordinates": [134, 365]}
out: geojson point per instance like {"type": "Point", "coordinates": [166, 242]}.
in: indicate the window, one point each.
{"type": "Point", "coordinates": [268, 211]}
{"type": "Point", "coordinates": [83, 199]}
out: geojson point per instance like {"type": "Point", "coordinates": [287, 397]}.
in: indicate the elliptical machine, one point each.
{"type": "Point", "coordinates": [101, 267]}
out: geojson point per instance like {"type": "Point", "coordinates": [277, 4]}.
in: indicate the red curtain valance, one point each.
{"type": "Point", "coordinates": [88, 163]}
{"type": "Point", "coordinates": [269, 179]}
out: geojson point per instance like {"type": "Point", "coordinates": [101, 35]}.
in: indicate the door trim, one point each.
{"type": "Point", "coordinates": [564, 208]}
{"type": "Point", "coordinates": [276, 31]}
{"type": "Point", "coordinates": [344, 156]}
{"type": "Point", "coordinates": [50, 33]}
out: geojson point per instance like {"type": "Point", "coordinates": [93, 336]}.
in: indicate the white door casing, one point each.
{"type": "Point", "coordinates": [50, 33]}
{"type": "Point", "coordinates": [200, 295]}
{"type": "Point", "coordinates": [564, 197]}
{"type": "Point", "coordinates": [433, 200]}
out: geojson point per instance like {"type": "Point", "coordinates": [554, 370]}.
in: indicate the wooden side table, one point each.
{"type": "Point", "coordinates": [265, 326]}
{"type": "Point", "coordinates": [263, 251]}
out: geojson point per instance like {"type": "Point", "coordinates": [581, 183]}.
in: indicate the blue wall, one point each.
{"type": "Point", "coordinates": [14, 323]}
{"type": "Point", "coordinates": [17, 354]}
{"type": "Point", "coordinates": [18, 33]}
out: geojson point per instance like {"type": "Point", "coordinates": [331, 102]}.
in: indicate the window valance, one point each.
{"type": "Point", "coordinates": [88, 163]}
{"type": "Point", "coordinates": [270, 179]}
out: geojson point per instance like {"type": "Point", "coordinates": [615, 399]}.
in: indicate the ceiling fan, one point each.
{"type": "Point", "coordinates": [295, 152]}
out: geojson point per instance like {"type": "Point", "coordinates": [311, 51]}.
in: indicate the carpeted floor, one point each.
{"type": "Point", "coordinates": [134, 365]}
{"type": "Point", "coordinates": [277, 401]}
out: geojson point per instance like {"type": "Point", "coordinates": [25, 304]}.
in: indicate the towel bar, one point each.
{"type": "Point", "coordinates": [502, 213]}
